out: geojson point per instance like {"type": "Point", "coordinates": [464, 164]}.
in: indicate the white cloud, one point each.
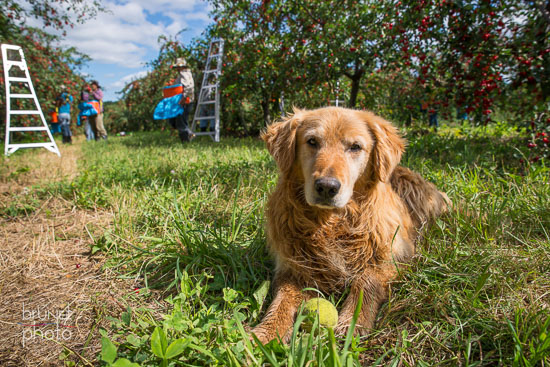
{"type": "Point", "coordinates": [202, 15]}
{"type": "Point", "coordinates": [126, 32]}
{"type": "Point", "coordinates": [167, 5]}
{"type": "Point", "coordinates": [118, 38]}
{"type": "Point", "coordinates": [124, 38]}
{"type": "Point", "coordinates": [175, 27]}
{"type": "Point", "coordinates": [119, 84]}
{"type": "Point", "coordinates": [127, 54]}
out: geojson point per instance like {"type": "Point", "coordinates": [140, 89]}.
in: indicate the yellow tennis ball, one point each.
{"type": "Point", "coordinates": [328, 315]}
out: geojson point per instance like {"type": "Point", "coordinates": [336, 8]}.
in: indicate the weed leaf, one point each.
{"type": "Point", "coordinates": [158, 343]}
{"type": "Point", "coordinates": [108, 350]}
{"type": "Point", "coordinates": [123, 362]}
{"type": "Point", "coordinates": [176, 348]}
{"type": "Point", "coordinates": [261, 293]}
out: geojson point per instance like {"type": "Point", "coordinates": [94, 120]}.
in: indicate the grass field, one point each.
{"type": "Point", "coordinates": [188, 227]}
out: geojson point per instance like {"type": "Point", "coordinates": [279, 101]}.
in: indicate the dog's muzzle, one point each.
{"type": "Point", "coordinates": [327, 188]}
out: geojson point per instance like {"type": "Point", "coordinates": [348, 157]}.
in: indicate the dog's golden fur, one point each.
{"type": "Point", "coordinates": [343, 213]}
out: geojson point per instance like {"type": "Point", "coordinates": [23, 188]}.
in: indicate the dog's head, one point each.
{"type": "Point", "coordinates": [334, 150]}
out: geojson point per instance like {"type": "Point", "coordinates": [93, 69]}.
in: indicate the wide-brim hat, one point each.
{"type": "Point", "coordinates": [95, 82]}
{"type": "Point", "coordinates": [180, 63]}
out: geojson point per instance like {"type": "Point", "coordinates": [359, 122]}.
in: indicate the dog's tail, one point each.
{"type": "Point", "coordinates": [423, 200]}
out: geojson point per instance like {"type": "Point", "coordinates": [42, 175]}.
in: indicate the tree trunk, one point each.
{"type": "Point", "coordinates": [354, 88]}
{"type": "Point", "coordinates": [355, 81]}
{"type": "Point", "coordinates": [266, 112]}
{"type": "Point", "coordinates": [544, 43]}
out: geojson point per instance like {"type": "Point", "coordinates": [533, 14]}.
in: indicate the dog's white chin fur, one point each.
{"type": "Point", "coordinates": [327, 207]}
{"type": "Point", "coordinates": [338, 202]}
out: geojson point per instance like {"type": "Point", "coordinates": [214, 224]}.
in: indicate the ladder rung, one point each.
{"type": "Point", "coordinates": [32, 145]}
{"type": "Point", "coordinates": [206, 98]}
{"type": "Point", "coordinates": [21, 64]}
{"type": "Point", "coordinates": [5, 46]}
{"type": "Point", "coordinates": [29, 128]}
{"type": "Point", "coordinates": [29, 94]}
{"type": "Point", "coordinates": [21, 95]}
{"type": "Point", "coordinates": [17, 79]}
{"type": "Point", "coordinates": [24, 112]}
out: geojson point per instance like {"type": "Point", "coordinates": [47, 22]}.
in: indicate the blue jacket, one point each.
{"type": "Point", "coordinates": [168, 108]}
{"type": "Point", "coordinates": [67, 99]}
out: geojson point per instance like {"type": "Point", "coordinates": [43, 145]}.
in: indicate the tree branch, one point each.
{"type": "Point", "coordinates": [543, 9]}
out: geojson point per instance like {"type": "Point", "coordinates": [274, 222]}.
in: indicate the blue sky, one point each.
{"type": "Point", "coordinates": [121, 41]}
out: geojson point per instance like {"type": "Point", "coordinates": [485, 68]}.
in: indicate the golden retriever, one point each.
{"type": "Point", "coordinates": [343, 214]}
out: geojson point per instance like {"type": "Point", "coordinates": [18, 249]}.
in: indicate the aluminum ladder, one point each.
{"type": "Point", "coordinates": [208, 103]}
{"type": "Point", "coordinates": [27, 82]}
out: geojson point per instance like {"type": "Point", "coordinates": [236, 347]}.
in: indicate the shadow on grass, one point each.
{"type": "Point", "coordinates": [165, 139]}
{"type": "Point", "coordinates": [231, 252]}
{"type": "Point", "coordinates": [223, 175]}
{"type": "Point", "coordinates": [494, 152]}
{"type": "Point", "coordinates": [154, 158]}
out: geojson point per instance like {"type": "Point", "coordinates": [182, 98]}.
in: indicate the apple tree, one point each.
{"type": "Point", "coordinates": [49, 64]}
{"type": "Point", "coordinates": [303, 49]}
{"type": "Point", "coordinates": [475, 54]}
{"type": "Point", "coordinates": [58, 14]}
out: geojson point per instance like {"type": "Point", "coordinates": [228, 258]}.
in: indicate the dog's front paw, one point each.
{"type": "Point", "coordinates": [265, 335]}
{"type": "Point", "coordinates": [342, 329]}
{"type": "Point", "coordinates": [262, 334]}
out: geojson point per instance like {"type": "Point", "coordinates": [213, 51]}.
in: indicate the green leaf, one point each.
{"type": "Point", "coordinates": [176, 347]}
{"type": "Point", "coordinates": [246, 338]}
{"type": "Point", "coordinates": [177, 321]}
{"type": "Point", "coordinates": [333, 352]}
{"type": "Point", "coordinates": [481, 280]}
{"type": "Point", "coordinates": [261, 293]}
{"type": "Point", "coordinates": [134, 340]}
{"type": "Point", "coordinates": [159, 343]}
{"type": "Point", "coordinates": [229, 295]}
{"type": "Point", "coordinates": [351, 328]}
{"type": "Point", "coordinates": [269, 356]}
{"type": "Point", "coordinates": [123, 362]}
{"type": "Point", "coordinates": [127, 316]}
{"type": "Point", "coordinates": [108, 350]}
{"type": "Point", "coordinates": [202, 350]}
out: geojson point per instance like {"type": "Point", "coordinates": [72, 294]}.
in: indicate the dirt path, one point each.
{"type": "Point", "coordinates": [49, 282]}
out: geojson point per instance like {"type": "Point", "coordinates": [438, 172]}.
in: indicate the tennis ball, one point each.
{"type": "Point", "coordinates": [328, 315]}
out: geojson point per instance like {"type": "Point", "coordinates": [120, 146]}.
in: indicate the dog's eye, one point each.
{"type": "Point", "coordinates": [312, 142]}
{"type": "Point", "coordinates": [355, 148]}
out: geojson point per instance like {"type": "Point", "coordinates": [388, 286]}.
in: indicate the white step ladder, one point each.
{"type": "Point", "coordinates": [25, 81]}
{"type": "Point", "coordinates": [208, 103]}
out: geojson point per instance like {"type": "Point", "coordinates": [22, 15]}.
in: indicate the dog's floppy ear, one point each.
{"type": "Point", "coordinates": [388, 147]}
{"type": "Point", "coordinates": [280, 138]}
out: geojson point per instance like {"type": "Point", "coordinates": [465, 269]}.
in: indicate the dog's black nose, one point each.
{"type": "Point", "coordinates": [327, 187]}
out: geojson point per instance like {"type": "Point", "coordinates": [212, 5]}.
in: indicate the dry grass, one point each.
{"type": "Point", "coordinates": [47, 274]}
{"type": "Point", "coordinates": [37, 166]}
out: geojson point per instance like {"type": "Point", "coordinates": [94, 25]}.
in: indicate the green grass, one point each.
{"type": "Point", "coordinates": [189, 223]}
